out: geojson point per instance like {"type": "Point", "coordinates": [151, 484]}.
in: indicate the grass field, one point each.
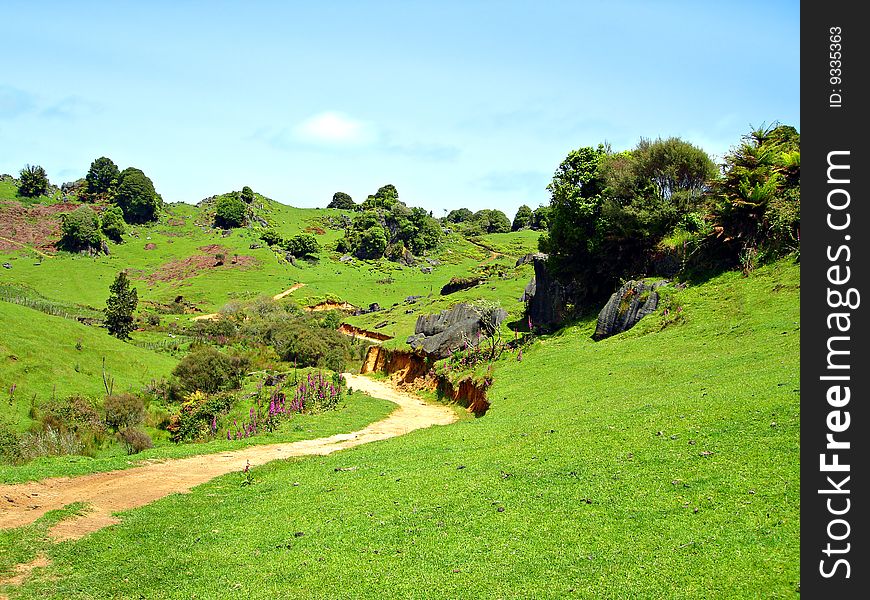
{"type": "Point", "coordinates": [663, 462]}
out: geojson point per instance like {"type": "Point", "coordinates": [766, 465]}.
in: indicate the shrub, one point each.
{"type": "Point", "coordinates": [33, 181]}
{"type": "Point", "coordinates": [197, 416]}
{"type": "Point", "coordinates": [80, 230]}
{"type": "Point", "coordinates": [492, 221]}
{"type": "Point", "coordinates": [208, 370]}
{"type": "Point", "coordinates": [123, 411]}
{"type": "Point", "coordinates": [113, 225]}
{"type": "Point", "coordinates": [135, 440]}
{"type": "Point", "coordinates": [136, 197]}
{"type": "Point", "coordinates": [230, 211]}
{"type": "Point", "coordinates": [75, 413]}
{"type": "Point", "coordinates": [271, 237]}
{"type": "Point", "coordinates": [459, 215]}
{"type": "Point", "coordinates": [372, 243]}
{"type": "Point", "coordinates": [10, 447]}
{"type": "Point", "coordinates": [50, 442]}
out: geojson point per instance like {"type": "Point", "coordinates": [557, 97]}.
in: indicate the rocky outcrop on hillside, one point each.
{"type": "Point", "coordinates": [546, 297]}
{"type": "Point", "coordinates": [628, 305]}
{"type": "Point", "coordinates": [439, 335]}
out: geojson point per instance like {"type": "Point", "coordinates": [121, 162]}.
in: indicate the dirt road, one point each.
{"type": "Point", "coordinates": [107, 493]}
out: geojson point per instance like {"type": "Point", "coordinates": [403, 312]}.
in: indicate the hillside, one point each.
{"type": "Point", "coordinates": [613, 469]}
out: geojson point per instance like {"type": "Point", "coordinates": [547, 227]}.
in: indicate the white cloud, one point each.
{"type": "Point", "coordinates": [335, 128]}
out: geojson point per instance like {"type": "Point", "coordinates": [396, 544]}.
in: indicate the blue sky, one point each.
{"type": "Point", "coordinates": [455, 103]}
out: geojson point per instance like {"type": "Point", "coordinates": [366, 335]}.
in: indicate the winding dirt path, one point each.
{"type": "Point", "coordinates": [278, 296]}
{"type": "Point", "coordinates": [107, 493]}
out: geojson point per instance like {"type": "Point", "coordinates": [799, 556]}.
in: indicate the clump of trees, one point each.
{"type": "Point", "coordinates": [299, 246]}
{"type": "Point", "coordinates": [343, 201]}
{"type": "Point", "coordinates": [33, 181]}
{"type": "Point", "coordinates": [387, 226]}
{"type": "Point", "coordinates": [611, 213]}
{"type": "Point", "coordinates": [101, 182]}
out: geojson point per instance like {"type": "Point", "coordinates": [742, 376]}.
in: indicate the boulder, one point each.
{"type": "Point", "coordinates": [546, 297]}
{"type": "Point", "coordinates": [530, 258]}
{"type": "Point", "coordinates": [457, 284]}
{"type": "Point", "coordinates": [105, 247]}
{"type": "Point", "coordinates": [426, 270]}
{"type": "Point", "coordinates": [628, 305]}
{"type": "Point", "coordinates": [407, 258]}
{"type": "Point", "coordinates": [346, 258]}
{"type": "Point", "coordinates": [439, 335]}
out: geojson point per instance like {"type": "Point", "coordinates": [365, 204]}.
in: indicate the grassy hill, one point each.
{"type": "Point", "coordinates": [663, 462]}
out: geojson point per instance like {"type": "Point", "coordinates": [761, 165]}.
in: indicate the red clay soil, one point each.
{"type": "Point", "coordinates": [363, 334]}
{"type": "Point", "coordinates": [183, 268]}
{"type": "Point", "coordinates": [108, 493]}
{"type": "Point", "coordinates": [37, 226]}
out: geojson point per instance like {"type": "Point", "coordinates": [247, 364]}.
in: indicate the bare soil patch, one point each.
{"type": "Point", "coordinates": [115, 491]}
{"type": "Point", "coordinates": [184, 268]}
{"type": "Point", "coordinates": [37, 226]}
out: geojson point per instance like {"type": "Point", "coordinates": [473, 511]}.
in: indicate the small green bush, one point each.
{"type": "Point", "coordinates": [113, 225]}
{"type": "Point", "coordinates": [208, 370]}
{"type": "Point", "coordinates": [75, 413]}
{"type": "Point", "coordinates": [80, 230]}
{"type": "Point", "coordinates": [135, 440]}
{"type": "Point", "coordinates": [301, 245]}
{"type": "Point", "coordinates": [123, 411]}
{"type": "Point", "coordinates": [230, 211]}
{"type": "Point", "coordinates": [10, 447]}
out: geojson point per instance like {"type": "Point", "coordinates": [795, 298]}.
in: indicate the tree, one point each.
{"type": "Point", "coordinates": [247, 195]}
{"type": "Point", "coordinates": [372, 243]}
{"type": "Point", "coordinates": [102, 178]}
{"type": "Point", "coordinates": [523, 218]}
{"type": "Point", "coordinates": [230, 211]}
{"type": "Point", "coordinates": [302, 245]}
{"type": "Point", "coordinates": [678, 170]}
{"type": "Point", "coordinates": [342, 201]}
{"type": "Point", "coordinates": [80, 230]}
{"type": "Point", "coordinates": [540, 218]}
{"type": "Point", "coordinates": [386, 197]}
{"type": "Point", "coordinates": [113, 225]}
{"type": "Point", "coordinates": [120, 306]}
{"type": "Point", "coordinates": [33, 181]}
{"type": "Point", "coordinates": [459, 215]}
{"type": "Point", "coordinates": [208, 370]}
{"type": "Point", "coordinates": [492, 221]}
{"type": "Point", "coordinates": [136, 197]}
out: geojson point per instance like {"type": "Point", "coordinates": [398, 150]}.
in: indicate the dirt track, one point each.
{"type": "Point", "coordinates": [116, 491]}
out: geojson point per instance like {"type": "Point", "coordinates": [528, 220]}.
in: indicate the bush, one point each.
{"type": "Point", "coordinates": [136, 197]}
{"type": "Point", "coordinates": [113, 225]}
{"type": "Point", "coordinates": [75, 413]}
{"type": "Point", "coordinates": [230, 211]}
{"type": "Point", "coordinates": [208, 370]}
{"type": "Point", "coordinates": [10, 447]}
{"type": "Point", "coordinates": [50, 442]}
{"type": "Point", "coordinates": [197, 416]}
{"type": "Point", "coordinates": [271, 237]}
{"type": "Point", "coordinates": [372, 243]}
{"type": "Point", "coordinates": [80, 230]}
{"type": "Point", "coordinates": [123, 411]}
{"type": "Point", "coordinates": [492, 221]}
{"type": "Point", "coordinates": [135, 440]}
{"type": "Point", "coordinates": [459, 215]}
{"type": "Point", "coordinates": [33, 181]}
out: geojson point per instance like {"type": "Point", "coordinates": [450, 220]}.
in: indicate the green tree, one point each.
{"type": "Point", "coordinates": [302, 245]}
{"type": "Point", "coordinates": [758, 198]}
{"type": "Point", "coordinates": [33, 181]}
{"type": "Point", "coordinates": [113, 225]}
{"type": "Point", "coordinates": [80, 230]}
{"type": "Point", "coordinates": [459, 215]}
{"type": "Point", "coordinates": [492, 221]}
{"type": "Point", "coordinates": [120, 306]}
{"type": "Point", "coordinates": [523, 218]}
{"type": "Point", "coordinates": [136, 197]}
{"type": "Point", "coordinates": [208, 370]}
{"type": "Point", "coordinates": [342, 200]}
{"type": "Point", "coordinates": [102, 179]}
{"type": "Point", "coordinates": [230, 211]}
{"type": "Point", "coordinates": [372, 243]}
{"type": "Point", "coordinates": [678, 170]}
{"type": "Point", "coordinates": [540, 218]}
{"type": "Point", "coordinates": [386, 197]}
{"type": "Point", "coordinates": [247, 195]}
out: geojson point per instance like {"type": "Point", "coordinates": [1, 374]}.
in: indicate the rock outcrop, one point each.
{"type": "Point", "coordinates": [439, 335]}
{"type": "Point", "coordinates": [628, 305]}
{"type": "Point", "coordinates": [546, 297]}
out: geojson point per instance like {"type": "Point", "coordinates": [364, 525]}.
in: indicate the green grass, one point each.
{"type": "Point", "coordinates": [357, 411]}
{"type": "Point", "coordinates": [663, 462]}
{"type": "Point", "coordinates": [39, 355]}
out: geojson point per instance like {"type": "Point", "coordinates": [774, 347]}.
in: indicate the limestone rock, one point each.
{"type": "Point", "coordinates": [628, 305]}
